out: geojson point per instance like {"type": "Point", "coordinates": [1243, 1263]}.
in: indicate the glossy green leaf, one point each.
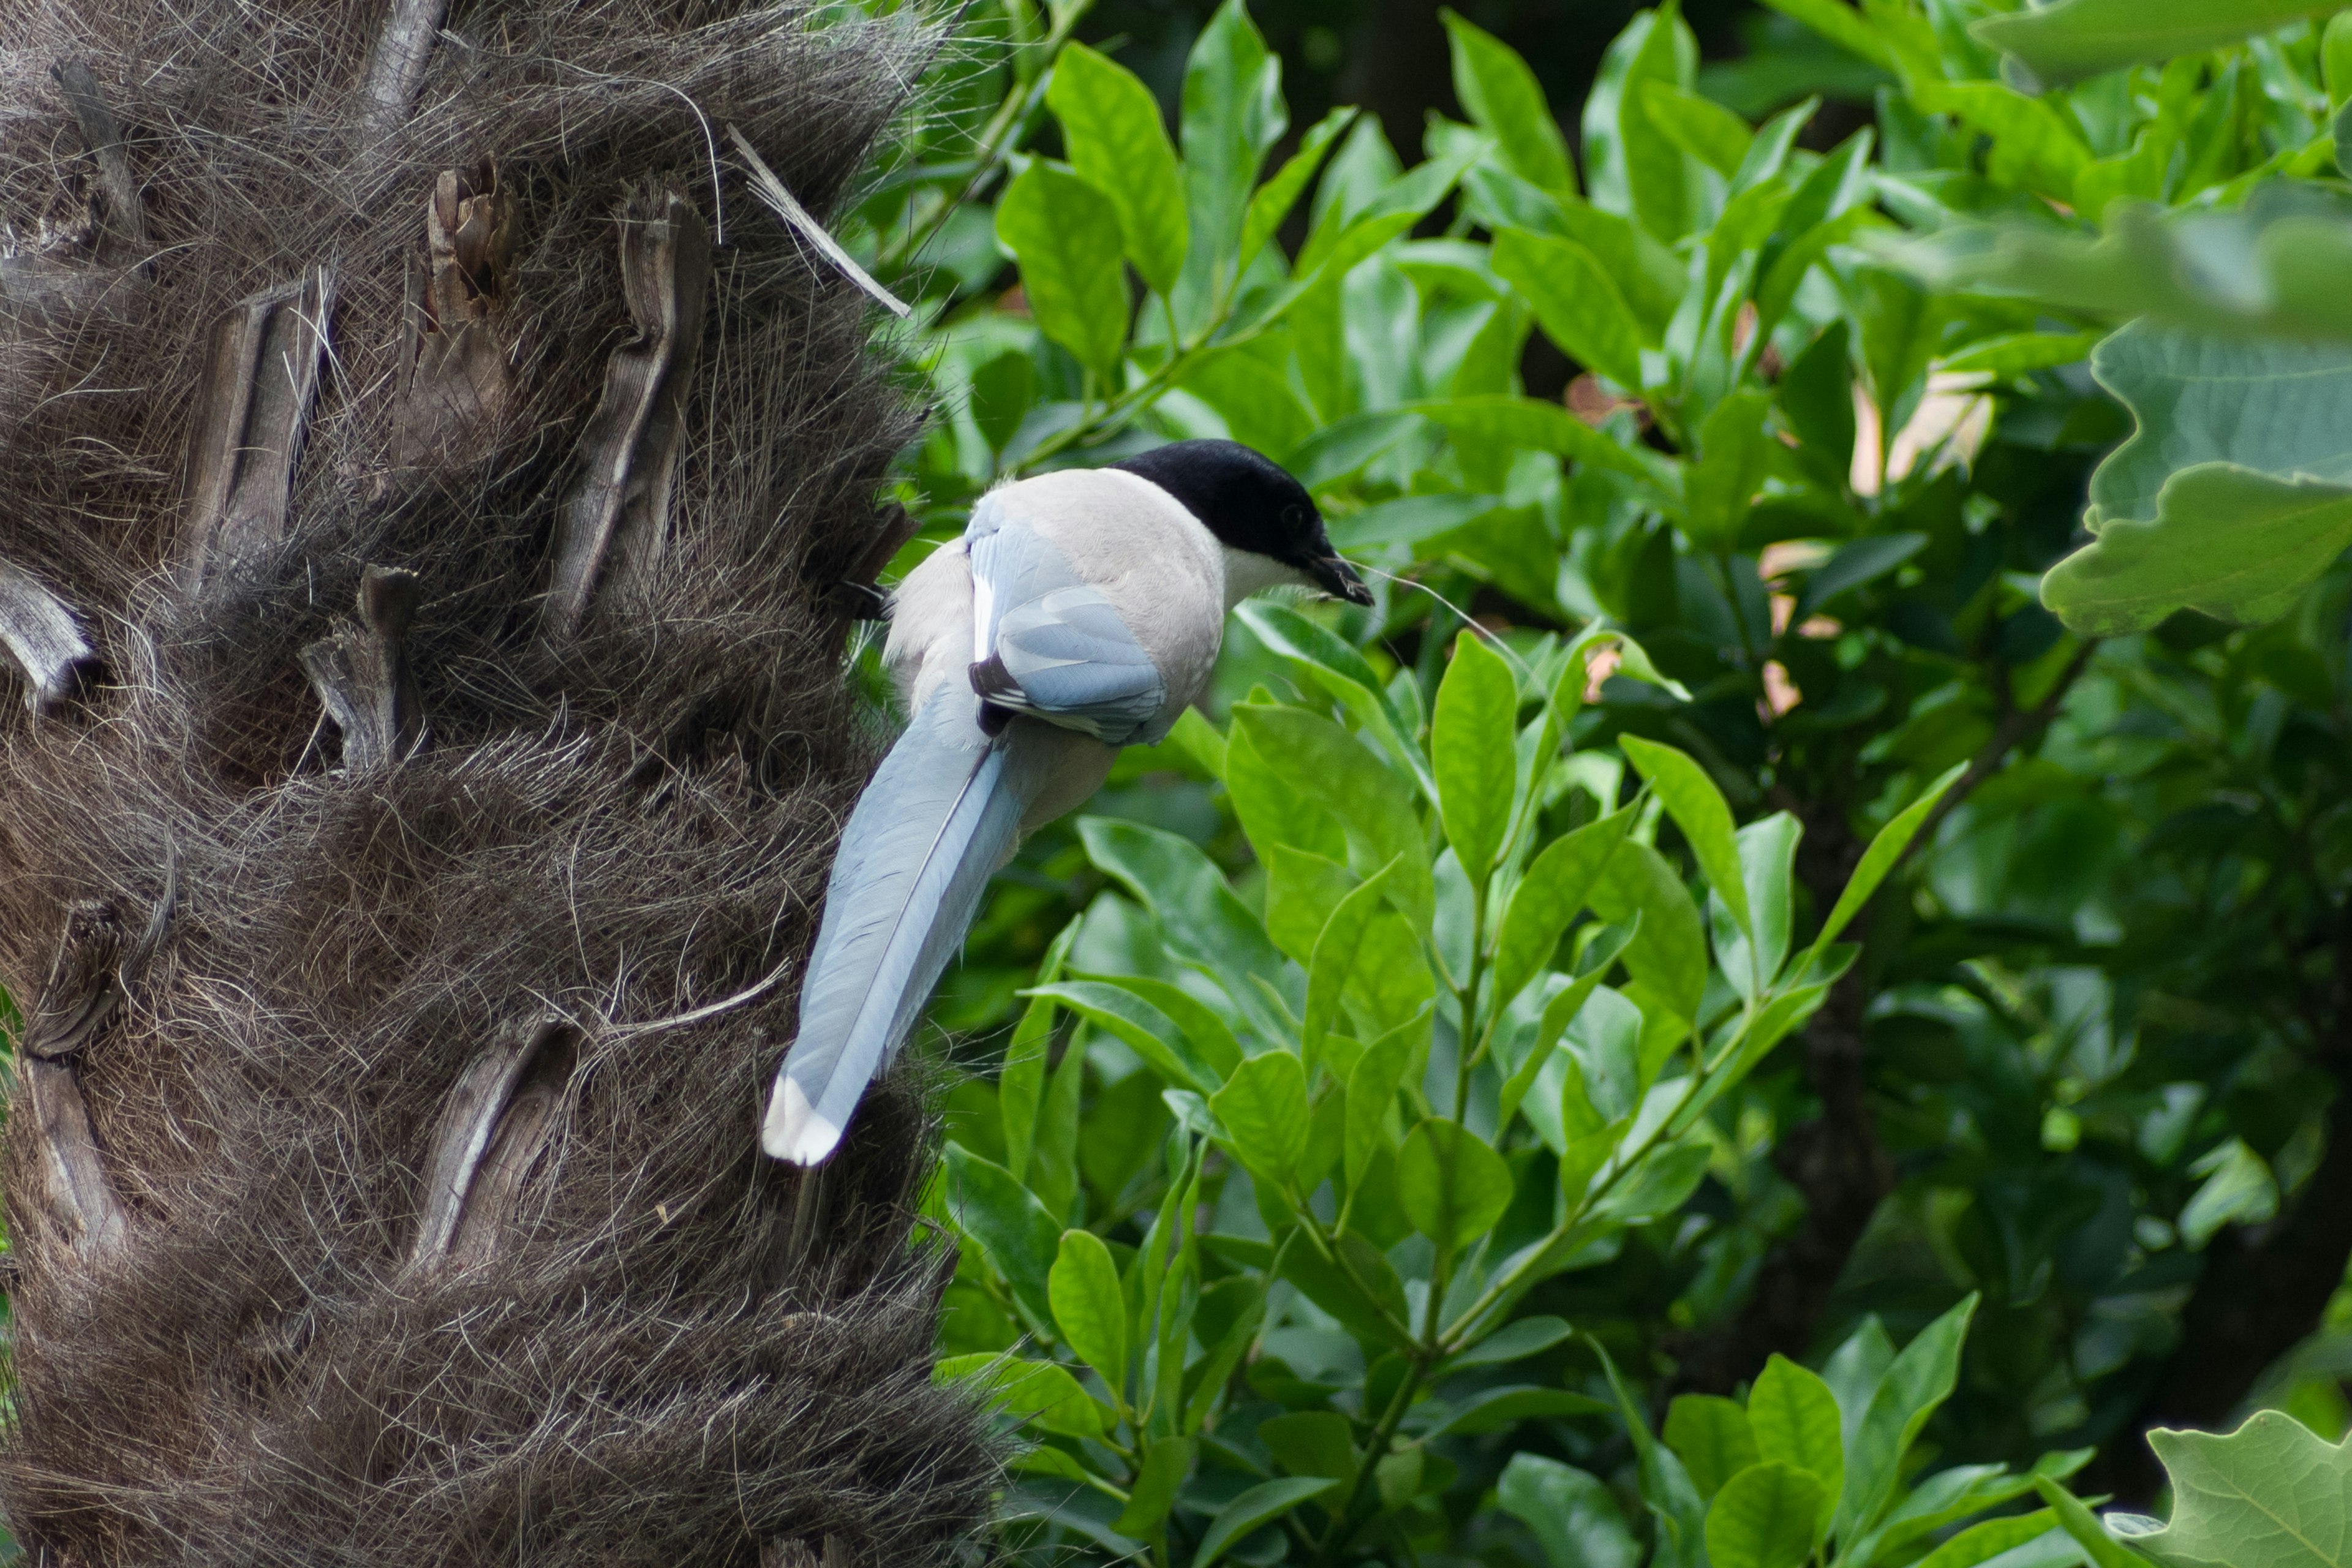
{"type": "Point", "coordinates": [1021, 1086]}
{"type": "Point", "coordinates": [1232, 115]}
{"type": "Point", "coordinates": [1734, 456]}
{"type": "Point", "coordinates": [1166, 1462]}
{"type": "Point", "coordinates": [1145, 1030]}
{"type": "Point", "coordinates": [1260, 1504]}
{"type": "Point", "coordinates": [2071, 39]}
{"type": "Point", "coordinates": [1311, 1443]}
{"type": "Point", "coordinates": [1768, 853]}
{"type": "Point", "coordinates": [1472, 737]}
{"type": "Point", "coordinates": [1454, 1186]}
{"type": "Point", "coordinates": [1573, 1515]}
{"type": "Point", "coordinates": [1710, 1436]}
{"type": "Point", "coordinates": [1514, 1342]}
{"type": "Point", "coordinates": [1272, 201]}
{"type": "Point", "coordinates": [1365, 1294]}
{"type": "Point", "coordinates": [1699, 126]}
{"type": "Point", "coordinates": [1336, 667]}
{"type": "Point", "coordinates": [1067, 236]}
{"type": "Point", "coordinates": [1371, 1089]}
{"type": "Point", "coordinates": [1374, 806]}
{"type": "Point", "coordinates": [1886, 847]}
{"type": "Point", "coordinates": [1840, 23]}
{"type": "Point", "coordinates": [1763, 1517]}
{"type": "Point", "coordinates": [1088, 1306]}
{"type": "Point", "coordinates": [1919, 1380]}
{"type": "Point", "coordinates": [1111, 128]}
{"type": "Point", "coordinates": [1263, 1109]}
{"type": "Point", "coordinates": [1795, 1420]}
{"type": "Point", "coordinates": [1659, 1185]}
{"type": "Point", "coordinates": [1501, 1409]}
{"type": "Point", "coordinates": [1503, 98]}
{"type": "Point", "coordinates": [1669, 952]}
{"type": "Point", "coordinates": [1337, 948]}
{"type": "Point", "coordinates": [1575, 300]}
{"type": "Point", "coordinates": [1214, 1045]}
{"type": "Point", "coordinates": [1995, 1538]}
{"type": "Point", "coordinates": [1699, 809]}
{"type": "Point", "coordinates": [1020, 1238]}
{"type": "Point", "coordinates": [1201, 917]}
{"type": "Point", "coordinates": [1558, 883]}
{"type": "Point", "coordinates": [1036, 1392]}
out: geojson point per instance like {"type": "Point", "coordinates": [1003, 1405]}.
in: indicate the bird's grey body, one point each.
{"type": "Point", "coordinates": [1080, 611]}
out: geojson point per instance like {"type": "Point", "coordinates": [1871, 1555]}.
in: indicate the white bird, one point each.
{"type": "Point", "coordinates": [1080, 611]}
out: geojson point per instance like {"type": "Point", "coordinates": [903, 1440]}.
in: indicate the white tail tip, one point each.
{"type": "Point", "coordinates": [794, 1130]}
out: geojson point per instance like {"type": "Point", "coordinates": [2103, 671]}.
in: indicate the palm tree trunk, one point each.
{"type": "Point", "coordinates": [423, 474]}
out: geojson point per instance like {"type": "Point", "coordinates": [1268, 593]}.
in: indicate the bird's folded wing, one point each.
{"type": "Point", "coordinates": [1047, 643]}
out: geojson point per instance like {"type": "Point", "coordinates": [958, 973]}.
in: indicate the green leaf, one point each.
{"type": "Point", "coordinates": [1262, 1504]}
{"type": "Point", "coordinates": [1840, 23]}
{"type": "Point", "coordinates": [1574, 1516]}
{"type": "Point", "coordinates": [1669, 952]}
{"type": "Point", "coordinates": [1763, 1517]}
{"type": "Point", "coordinates": [1335, 952]}
{"type": "Point", "coordinates": [1036, 1392]}
{"type": "Point", "coordinates": [1885, 848]}
{"type": "Point", "coordinates": [1374, 806]}
{"type": "Point", "coordinates": [1540, 426]}
{"type": "Point", "coordinates": [1366, 1296]}
{"type": "Point", "coordinates": [1993, 1538]}
{"type": "Point", "coordinates": [1214, 1046]}
{"type": "Point", "coordinates": [2234, 493]}
{"type": "Point", "coordinates": [1919, 1381]}
{"type": "Point", "coordinates": [1066, 236]}
{"type": "Point", "coordinates": [1372, 1088]}
{"type": "Point", "coordinates": [1734, 456]}
{"type": "Point", "coordinates": [1089, 1308]}
{"type": "Point", "coordinates": [1710, 1434]}
{"type": "Point", "coordinates": [1560, 880]}
{"type": "Point", "coordinates": [1199, 914]}
{"type": "Point", "coordinates": [1014, 1229]}
{"type": "Point", "coordinates": [1233, 114]}
{"type": "Point", "coordinates": [1263, 1108]}
{"type": "Point", "coordinates": [2013, 353]}
{"type": "Point", "coordinates": [1768, 855]}
{"type": "Point", "coordinates": [1575, 300]}
{"type": "Point", "coordinates": [1144, 1028]}
{"type": "Point", "coordinates": [1339, 668]}
{"type": "Point", "coordinates": [2104, 1550]}
{"type": "Point", "coordinates": [1272, 201]}
{"type": "Point", "coordinates": [2074, 38]}
{"type": "Point", "coordinates": [1452, 1184]}
{"type": "Point", "coordinates": [1503, 99]}
{"type": "Point", "coordinates": [2271, 1494]}
{"type": "Point", "coordinates": [1166, 1463]}
{"type": "Point", "coordinates": [1111, 128]}
{"type": "Point", "coordinates": [1660, 1184]}
{"type": "Point", "coordinates": [1795, 1419]}
{"type": "Point", "coordinates": [1699, 810]}
{"type": "Point", "coordinates": [1021, 1086]}
{"type": "Point", "coordinates": [1311, 1443]}
{"type": "Point", "coordinates": [2238, 1189]}
{"type": "Point", "coordinates": [1516, 1341]}
{"type": "Point", "coordinates": [1699, 126]}
{"type": "Point", "coordinates": [1628, 158]}
{"type": "Point", "coordinates": [1471, 738]}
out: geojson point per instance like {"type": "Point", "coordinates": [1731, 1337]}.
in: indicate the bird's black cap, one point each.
{"type": "Point", "coordinates": [1251, 504]}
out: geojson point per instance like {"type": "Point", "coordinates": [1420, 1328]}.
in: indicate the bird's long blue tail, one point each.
{"type": "Point", "coordinates": [941, 815]}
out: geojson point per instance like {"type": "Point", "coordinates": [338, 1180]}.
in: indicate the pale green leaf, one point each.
{"type": "Point", "coordinates": [1711, 1436]}
{"type": "Point", "coordinates": [1264, 1110]}
{"type": "Point", "coordinates": [1112, 131]}
{"type": "Point", "coordinates": [1089, 1307]}
{"type": "Point", "coordinates": [1794, 1418]}
{"type": "Point", "coordinates": [1556, 884]}
{"type": "Point", "coordinates": [1036, 1392]}
{"type": "Point", "coordinates": [1699, 809]}
{"type": "Point", "coordinates": [1452, 1184]}
{"type": "Point", "coordinates": [1503, 99]}
{"type": "Point", "coordinates": [1699, 126]}
{"type": "Point", "coordinates": [1763, 1517]}
{"type": "Point", "coordinates": [1471, 734]}
{"type": "Point", "coordinates": [2069, 40]}
{"type": "Point", "coordinates": [1066, 236]}
{"type": "Point", "coordinates": [1575, 300]}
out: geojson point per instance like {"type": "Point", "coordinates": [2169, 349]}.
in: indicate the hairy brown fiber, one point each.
{"type": "Point", "coordinates": [424, 473]}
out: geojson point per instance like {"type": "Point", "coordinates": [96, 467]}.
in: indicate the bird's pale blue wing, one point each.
{"type": "Point", "coordinates": [1046, 642]}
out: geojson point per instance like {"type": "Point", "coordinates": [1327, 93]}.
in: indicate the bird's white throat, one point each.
{"type": "Point", "coordinates": [1248, 572]}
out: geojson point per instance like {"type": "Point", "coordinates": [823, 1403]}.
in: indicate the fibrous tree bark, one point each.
{"type": "Point", "coordinates": [425, 477]}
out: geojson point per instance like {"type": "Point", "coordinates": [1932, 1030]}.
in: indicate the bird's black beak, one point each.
{"type": "Point", "coordinates": [1336, 577]}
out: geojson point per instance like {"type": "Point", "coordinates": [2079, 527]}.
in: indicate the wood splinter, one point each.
{"type": "Point", "coordinates": [458, 384]}
{"type": "Point", "coordinates": [95, 964]}
{"type": "Point", "coordinates": [362, 675]}
{"type": "Point", "coordinates": [259, 383]}
{"type": "Point", "coordinates": [615, 516]}
{"type": "Point", "coordinates": [496, 1123]}
{"type": "Point", "coordinates": [44, 637]}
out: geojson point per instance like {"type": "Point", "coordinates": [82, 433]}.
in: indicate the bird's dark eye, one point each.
{"type": "Point", "coordinates": [1293, 517]}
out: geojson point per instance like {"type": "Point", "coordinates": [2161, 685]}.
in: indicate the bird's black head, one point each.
{"type": "Point", "coordinates": [1250, 503]}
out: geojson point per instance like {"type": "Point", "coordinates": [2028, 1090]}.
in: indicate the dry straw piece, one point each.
{"type": "Point", "coordinates": [420, 516]}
